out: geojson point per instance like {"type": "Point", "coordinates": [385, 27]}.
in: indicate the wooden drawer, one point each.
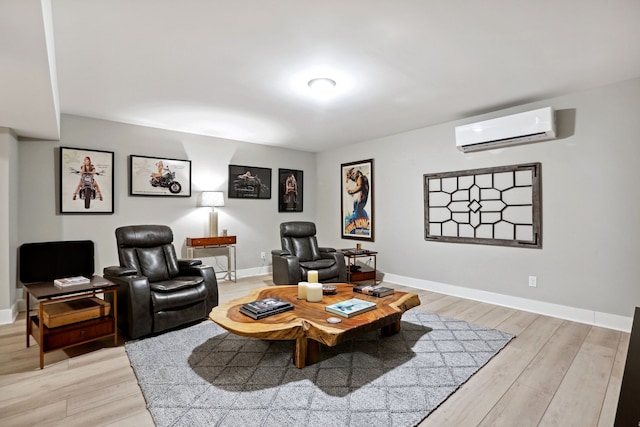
{"type": "Point", "coordinates": [75, 310]}
{"type": "Point", "coordinates": [211, 241]}
{"type": "Point", "coordinates": [357, 276]}
{"type": "Point", "coordinates": [77, 333]}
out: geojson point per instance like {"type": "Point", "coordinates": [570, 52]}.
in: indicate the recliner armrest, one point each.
{"type": "Point", "coordinates": [210, 280]}
{"type": "Point", "coordinates": [286, 268]}
{"type": "Point", "coordinates": [117, 271]}
{"type": "Point", "coordinates": [327, 249]}
{"type": "Point", "coordinates": [280, 252]}
{"type": "Point", "coordinates": [189, 262]}
{"type": "Point", "coordinates": [135, 314]}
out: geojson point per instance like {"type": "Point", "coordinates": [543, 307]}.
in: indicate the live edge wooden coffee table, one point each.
{"type": "Point", "coordinates": [307, 322]}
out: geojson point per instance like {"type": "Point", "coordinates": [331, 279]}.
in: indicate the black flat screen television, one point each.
{"type": "Point", "coordinates": [44, 261]}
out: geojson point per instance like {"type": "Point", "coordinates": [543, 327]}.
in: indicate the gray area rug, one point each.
{"type": "Point", "coordinates": [205, 376]}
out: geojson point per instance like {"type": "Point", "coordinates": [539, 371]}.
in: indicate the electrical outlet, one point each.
{"type": "Point", "coordinates": [533, 281]}
{"type": "Point", "coordinates": [263, 256]}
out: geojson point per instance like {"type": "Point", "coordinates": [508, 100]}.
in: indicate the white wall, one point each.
{"type": "Point", "coordinates": [255, 222]}
{"type": "Point", "coordinates": [591, 206]}
{"type": "Point", "coordinates": [8, 224]}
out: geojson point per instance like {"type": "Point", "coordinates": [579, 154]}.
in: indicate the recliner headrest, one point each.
{"type": "Point", "coordinates": [143, 236]}
{"type": "Point", "coordinates": [297, 229]}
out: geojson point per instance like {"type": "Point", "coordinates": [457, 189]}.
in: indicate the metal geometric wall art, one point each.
{"type": "Point", "coordinates": [490, 206]}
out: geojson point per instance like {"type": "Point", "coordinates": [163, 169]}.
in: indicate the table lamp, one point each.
{"type": "Point", "coordinates": [212, 199]}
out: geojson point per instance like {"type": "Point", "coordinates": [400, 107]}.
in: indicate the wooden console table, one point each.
{"type": "Point", "coordinates": [76, 332]}
{"type": "Point", "coordinates": [228, 243]}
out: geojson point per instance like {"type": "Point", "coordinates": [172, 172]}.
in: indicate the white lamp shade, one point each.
{"type": "Point", "coordinates": [212, 198]}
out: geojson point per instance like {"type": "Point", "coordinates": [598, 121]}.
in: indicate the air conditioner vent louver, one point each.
{"type": "Point", "coordinates": [521, 128]}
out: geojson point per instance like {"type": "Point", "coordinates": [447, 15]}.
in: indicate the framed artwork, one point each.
{"type": "Point", "coordinates": [290, 190]}
{"type": "Point", "coordinates": [249, 182]}
{"type": "Point", "coordinates": [357, 215]}
{"type": "Point", "coordinates": [491, 206]}
{"type": "Point", "coordinates": [86, 181]}
{"type": "Point", "coordinates": [157, 176]}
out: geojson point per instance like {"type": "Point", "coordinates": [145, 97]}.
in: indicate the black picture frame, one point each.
{"type": "Point", "coordinates": [357, 215]}
{"type": "Point", "coordinates": [159, 176]}
{"type": "Point", "coordinates": [249, 182]}
{"type": "Point", "coordinates": [290, 190]}
{"type": "Point", "coordinates": [97, 196]}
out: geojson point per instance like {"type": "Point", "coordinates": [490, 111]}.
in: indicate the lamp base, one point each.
{"type": "Point", "coordinates": [213, 223]}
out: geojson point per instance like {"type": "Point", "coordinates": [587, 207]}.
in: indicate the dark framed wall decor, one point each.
{"type": "Point", "coordinates": [158, 176]}
{"type": "Point", "coordinates": [249, 182]}
{"type": "Point", "coordinates": [290, 190]}
{"type": "Point", "coordinates": [86, 181]}
{"type": "Point", "coordinates": [491, 206]}
{"type": "Point", "coordinates": [356, 200]}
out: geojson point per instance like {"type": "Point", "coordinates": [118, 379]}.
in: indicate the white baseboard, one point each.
{"type": "Point", "coordinates": [590, 317]}
{"type": "Point", "coordinates": [9, 315]}
{"type": "Point", "coordinates": [256, 271]}
{"type": "Point", "coordinates": [247, 272]}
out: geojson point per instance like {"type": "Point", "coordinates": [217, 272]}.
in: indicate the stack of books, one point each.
{"type": "Point", "coordinates": [353, 252]}
{"type": "Point", "coordinates": [71, 281]}
{"type": "Point", "coordinates": [265, 307]}
{"type": "Point", "coordinates": [351, 307]}
{"type": "Point", "coordinates": [376, 291]}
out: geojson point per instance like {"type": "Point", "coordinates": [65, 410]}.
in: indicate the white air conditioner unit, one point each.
{"type": "Point", "coordinates": [521, 128]}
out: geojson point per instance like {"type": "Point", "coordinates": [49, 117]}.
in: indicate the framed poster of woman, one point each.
{"type": "Point", "coordinates": [86, 181]}
{"type": "Point", "coordinates": [249, 182]}
{"type": "Point", "coordinates": [159, 176]}
{"type": "Point", "coordinates": [357, 215]}
{"type": "Point", "coordinates": [290, 188]}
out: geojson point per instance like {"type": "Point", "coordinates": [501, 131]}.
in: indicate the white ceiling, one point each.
{"type": "Point", "coordinates": [238, 69]}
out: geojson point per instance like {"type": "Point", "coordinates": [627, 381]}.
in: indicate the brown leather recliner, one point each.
{"type": "Point", "coordinates": [158, 291]}
{"type": "Point", "coordinates": [300, 253]}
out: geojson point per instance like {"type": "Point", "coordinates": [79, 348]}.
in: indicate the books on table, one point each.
{"type": "Point", "coordinates": [376, 291]}
{"type": "Point", "coordinates": [71, 281]}
{"type": "Point", "coordinates": [351, 307]}
{"type": "Point", "coordinates": [358, 251]}
{"type": "Point", "coordinates": [265, 307]}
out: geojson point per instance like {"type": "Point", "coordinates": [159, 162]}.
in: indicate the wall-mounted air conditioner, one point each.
{"type": "Point", "coordinates": [521, 128]}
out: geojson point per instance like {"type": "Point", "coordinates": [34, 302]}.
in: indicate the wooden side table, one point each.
{"type": "Point", "coordinates": [228, 243]}
{"type": "Point", "coordinates": [76, 332]}
{"type": "Point", "coordinates": [363, 274]}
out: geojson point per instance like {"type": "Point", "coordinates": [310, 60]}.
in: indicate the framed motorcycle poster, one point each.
{"type": "Point", "coordinates": [249, 182]}
{"type": "Point", "coordinates": [86, 181]}
{"type": "Point", "coordinates": [156, 176]}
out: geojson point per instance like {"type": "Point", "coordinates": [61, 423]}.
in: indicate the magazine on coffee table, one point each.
{"type": "Point", "coordinates": [351, 307]}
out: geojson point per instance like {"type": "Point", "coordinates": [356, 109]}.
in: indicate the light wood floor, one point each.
{"type": "Point", "coordinates": [554, 373]}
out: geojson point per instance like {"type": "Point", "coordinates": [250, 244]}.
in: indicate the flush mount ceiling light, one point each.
{"type": "Point", "coordinates": [322, 84]}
